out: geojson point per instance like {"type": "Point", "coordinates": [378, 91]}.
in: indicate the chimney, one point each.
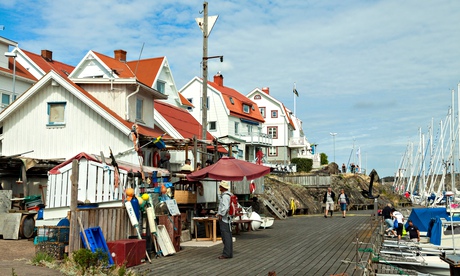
{"type": "Point", "coordinates": [219, 79]}
{"type": "Point", "coordinates": [47, 54]}
{"type": "Point", "coordinates": [120, 55]}
{"type": "Point", "coordinates": [266, 90]}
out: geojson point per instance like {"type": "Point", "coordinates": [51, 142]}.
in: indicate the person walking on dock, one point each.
{"type": "Point", "coordinates": [225, 221]}
{"type": "Point", "coordinates": [400, 218]}
{"type": "Point", "coordinates": [343, 201]}
{"type": "Point", "coordinates": [329, 199]}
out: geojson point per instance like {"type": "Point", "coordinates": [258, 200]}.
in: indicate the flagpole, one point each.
{"type": "Point", "coordinates": [294, 100]}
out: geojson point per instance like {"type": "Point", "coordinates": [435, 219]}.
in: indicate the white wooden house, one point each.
{"type": "Point", "coordinates": [278, 123]}
{"type": "Point", "coordinates": [231, 116]}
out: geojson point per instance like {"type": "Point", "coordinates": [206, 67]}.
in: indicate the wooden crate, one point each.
{"type": "Point", "coordinates": [184, 197]}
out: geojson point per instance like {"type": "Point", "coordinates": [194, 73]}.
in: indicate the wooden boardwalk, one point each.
{"type": "Point", "coordinates": [299, 245]}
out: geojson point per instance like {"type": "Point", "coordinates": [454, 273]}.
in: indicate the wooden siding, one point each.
{"type": "Point", "coordinates": [242, 187]}
{"type": "Point", "coordinates": [84, 130]}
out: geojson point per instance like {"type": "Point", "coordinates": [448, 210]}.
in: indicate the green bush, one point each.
{"type": "Point", "coordinates": [303, 164]}
{"type": "Point", "coordinates": [324, 159]}
{"type": "Point", "coordinates": [87, 260]}
{"type": "Point", "coordinates": [42, 257]}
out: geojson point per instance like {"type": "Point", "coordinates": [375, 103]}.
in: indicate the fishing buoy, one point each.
{"type": "Point", "coordinates": [136, 207]}
{"type": "Point", "coordinates": [145, 197]}
{"type": "Point", "coordinates": [129, 192]}
{"type": "Point", "coordinates": [128, 198]}
{"type": "Point", "coordinates": [163, 189]}
{"type": "Point", "coordinates": [252, 187]}
{"type": "Point", "coordinates": [140, 200]}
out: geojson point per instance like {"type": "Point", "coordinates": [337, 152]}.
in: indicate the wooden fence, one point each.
{"type": "Point", "coordinates": [313, 181]}
{"type": "Point", "coordinates": [114, 223]}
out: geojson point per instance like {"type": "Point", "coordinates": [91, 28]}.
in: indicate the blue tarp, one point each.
{"type": "Point", "coordinates": [436, 230]}
{"type": "Point", "coordinates": [421, 217]}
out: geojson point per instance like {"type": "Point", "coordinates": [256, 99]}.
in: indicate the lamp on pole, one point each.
{"type": "Point", "coordinates": [333, 134]}
{"type": "Point", "coordinates": [13, 55]}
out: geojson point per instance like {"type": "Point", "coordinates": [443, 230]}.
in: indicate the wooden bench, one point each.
{"type": "Point", "coordinates": [244, 223]}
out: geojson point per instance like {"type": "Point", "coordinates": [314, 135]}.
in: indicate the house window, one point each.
{"type": "Point", "coordinates": [272, 151]}
{"type": "Point", "coordinates": [245, 108]}
{"type": "Point", "coordinates": [273, 131]}
{"type": "Point", "coordinates": [191, 101]}
{"type": "Point", "coordinates": [161, 86]}
{"type": "Point", "coordinates": [262, 111]}
{"type": "Point", "coordinates": [212, 126]}
{"type": "Point", "coordinates": [201, 103]}
{"type": "Point", "coordinates": [56, 112]}
{"type": "Point", "coordinates": [236, 127]}
{"type": "Point", "coordinates": [232, 101]}
{"type": "Point", "coordinates": [257, 97]}
{"type": "Point", "coordinates": [274, 113]}
{"type": "Point", "coordinates": [249, 129]}
{"type": "Point", "coordinates": [5, 100]}
{"type": "Point", "coordinates": [139, 108]}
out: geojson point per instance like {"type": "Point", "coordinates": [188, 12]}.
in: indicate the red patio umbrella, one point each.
{"type": "Point", "coordinates": [229, 168]}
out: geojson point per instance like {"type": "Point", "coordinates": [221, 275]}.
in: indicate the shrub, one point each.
{"type": "Point", "coordinates": [41, 257]}
{"type": "Point", "coordinates": [85, 259]}
{"type": "Point", "coordinates": [303, 164]}
{"type": "Point", "coordinates": [324, 160]}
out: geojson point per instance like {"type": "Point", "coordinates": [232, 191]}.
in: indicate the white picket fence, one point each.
{"type": "Point", "coordinates": [95, 184]}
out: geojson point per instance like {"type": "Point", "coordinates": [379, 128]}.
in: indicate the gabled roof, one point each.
{"type": "Point", "coordinates": [20, 70]}
{"type": "Point", "coordinates": [146, 70]}
{"type": "Point", "coordinates": [121, 68]}
{"type": "Point", "coordinates": [87, 98]}
{"type": "Point", "coordinates": [181, 120]}
{"type": "Point", "coordinates": [236, 108]}
{"type": "Point", "coordinates": [282, 106]}
{"type": "Point", "coordinates": [48, 65]}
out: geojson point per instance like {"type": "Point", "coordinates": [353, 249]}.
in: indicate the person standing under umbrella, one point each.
{"type": "Point", "coordinates": [225, 221]}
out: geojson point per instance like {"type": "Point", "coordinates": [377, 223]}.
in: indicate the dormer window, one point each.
{"type": "Point", "coordinates": [245, 108]}
{"type": "Point", "coordinates": [161, 87]}
{"type": "Point", "coordinates": [232, 101]}
{"type": "Point", "coordinates": [253, 108]}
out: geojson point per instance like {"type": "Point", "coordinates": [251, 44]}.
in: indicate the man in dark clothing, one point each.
{"type": "Point", "coordinates": [388, 219]}
{"type": "Point", "coordinates": [329, 199]}
{"type": "Point", "coordinates": [414, 233]}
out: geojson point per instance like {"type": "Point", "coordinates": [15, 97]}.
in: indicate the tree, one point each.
{"type": "Point", "coordinates": [324, 159]}
{"type": "Point", "coordinates": [303, 164]}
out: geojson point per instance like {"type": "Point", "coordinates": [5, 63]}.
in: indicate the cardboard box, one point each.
{"type": "Point", "coordinates": [184, 197]}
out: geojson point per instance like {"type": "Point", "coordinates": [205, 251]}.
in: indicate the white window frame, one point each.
{"type": "Point", "coordinates": [56, 113]}
{"type": "Point", "coordinates": [139, 109]}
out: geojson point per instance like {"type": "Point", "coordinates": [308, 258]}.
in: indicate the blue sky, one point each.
{"type": "Point", "coordinates": [373, 72]}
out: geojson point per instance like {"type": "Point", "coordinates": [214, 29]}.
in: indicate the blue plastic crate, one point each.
{"type": "Point", "coordinates": [96, 241]}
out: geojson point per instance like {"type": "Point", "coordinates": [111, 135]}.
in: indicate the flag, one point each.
{"type": "Point", "coordinates": [358, 152]}
{"type": "Point", "coordinates": [295, 92]}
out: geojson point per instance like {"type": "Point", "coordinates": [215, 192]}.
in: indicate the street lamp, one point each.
{"type": "Point", "coordinates": [333, 134]}
{"type": "Point", "coordinates": [13, 55]}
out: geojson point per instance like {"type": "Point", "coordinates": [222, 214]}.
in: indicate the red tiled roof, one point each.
{"type": "Point", "coordinates": [48, 65]}
{"type": "Point", "coordinates": [181, 120]}
{"type": "Point", "coordinates": [289, 117]}
{"type": "Point", "coordinates": [20, 70]}
{"type": "Point", "coordinates": [236, 109]}
{"type": "Point", "coordinates": [184, 101]}
{"type": "Point", "coordinates": [147, 69]}
{"type": "Point", "coordinates": [121, 68]}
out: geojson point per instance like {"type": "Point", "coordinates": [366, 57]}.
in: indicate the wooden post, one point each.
{"type": "Point", "coordinates": [74, 236]}
{"type": "Point", "coordinates": [24, 179]}
{"type": "Point", "coordinates": [230, 150]}
{"type": "Point", "coordinates": [216, 152]}
{"type": "Point", "coordinates": [195, 150]}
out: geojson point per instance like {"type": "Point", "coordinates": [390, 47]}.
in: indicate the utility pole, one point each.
{"type": "Point", "coordinates": [203, 24]}
{"type": "Point", "coordinates": [204, 107]}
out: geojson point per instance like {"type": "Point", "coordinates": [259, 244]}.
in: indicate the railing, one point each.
{"type": "Point", "coordinates": [297, 142]}
{"type": "Point", "coordinates": [256, 138]}
{"type": "Point", "coordinates": [307, 180]}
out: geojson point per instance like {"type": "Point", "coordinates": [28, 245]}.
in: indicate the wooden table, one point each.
{"type": "Point", "coordinates": [210, 225]}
